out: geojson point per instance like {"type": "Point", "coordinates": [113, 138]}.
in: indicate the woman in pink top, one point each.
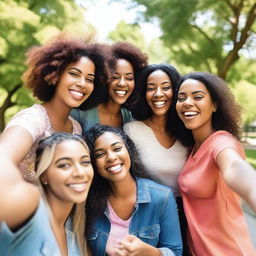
{"type": "Point", "coordinates": [216, 172]}
{"type": "Point", "coordinates": [62, 74]}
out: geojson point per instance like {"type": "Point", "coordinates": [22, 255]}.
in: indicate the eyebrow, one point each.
{"type": "Point", "coordinates": [128, 73]}
{"type": "Point", "coordinates": [69, 158]}
{"type": "Point", "coordinates": [195, 92]}
{"type": "Point", "coordinates": [164, 82]}
{"type": "Point", "coordinates": [78, 70]}
{"type": "Point", "coordinates": [113, 144]}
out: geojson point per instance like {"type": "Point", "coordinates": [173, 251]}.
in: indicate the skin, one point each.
{"type": "Point", "coordinates": [194, 97]}
{"type": "Point", "coordinates": [76, 80]}
{"type": "Point", "coordinates": [120, 88]}
{"type": "Point", "coordinates": [159, 96]}
{"type": "Point", "coordinates": [113, 163]}
{"type": "Point", "coordinates": [71, 164]}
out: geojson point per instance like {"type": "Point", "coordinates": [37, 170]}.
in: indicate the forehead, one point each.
{"type": "Point", "coordinates": [158, 74]}
{"type": "Point", "coordinates": [84, 63]}
{"type": "Point", "coordinates": [123, 65]}
{"type": "Point", "coordinates": [191, 85]}
{"type": "Point", "coordinates": [107, 139]}
{"type": "Point", "coordinates": [70, 148]}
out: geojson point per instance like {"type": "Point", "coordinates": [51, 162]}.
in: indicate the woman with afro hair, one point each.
{"type": "Point", "coordinates": [63, 74]}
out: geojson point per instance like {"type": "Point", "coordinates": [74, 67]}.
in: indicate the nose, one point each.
{"type": "Point", "coordinates": [111, 156]}
{"type": "Point", "coordinates": [81, 82]}
{"type": "Point", "coordinates": [188, 101]}
{"type": "Point", "coordinates": [158, 92]}
{"type": "Point", "coordinates": [79, 170]}
{"type": "Point", "coordinates": [122, 81]}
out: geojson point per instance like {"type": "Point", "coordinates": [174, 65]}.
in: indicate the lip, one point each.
{"type": "Point", "coordinates": [191, 114]}
{"type": "Point", "coordinates": [120, 93]}
{"type": "Point", "coordinates": [76, 94]}
{"type": "Point", "coordinates": [159, 103]}
{"type": "Point", "coordinates": [115, 168]}
{"type": "Point", "coordinates": [78, 187]}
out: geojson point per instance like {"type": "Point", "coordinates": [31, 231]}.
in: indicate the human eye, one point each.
{"type": "Point", "coordinates": [72, 73]}
{"type": "Point", "coordinates": [150, 89]}
{"type": "Point", "coordinates": [86, 162]}
{"type": "Point", "coordinates": [98, 154]}
{"type": "Point", "coordinates": [115, 77]}
{"type": "Point", "coordinates": [130, 78]}
{"type": "Point", "coordinates": [90, 80]}
{"type": "Point", "coordinates": [63, 165]}
{"type": "Point", "coordinates": [198, 97]}
{"type": "Point", "coordinates": [167, 88]}
{"type": "Point", "coordinates": [181, 98]}
{"type": "Point", "coordinates": [117, 149]}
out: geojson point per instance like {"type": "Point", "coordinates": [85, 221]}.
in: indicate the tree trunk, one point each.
{"type": "Point", "coordinates": [7, 103]}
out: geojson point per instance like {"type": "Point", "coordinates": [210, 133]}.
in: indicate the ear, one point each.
{"type": "Point", "coordinates": [44, 179]}
{"type": "Point", "coordinates": [214, 107]}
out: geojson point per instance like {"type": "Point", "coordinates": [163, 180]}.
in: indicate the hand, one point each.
{"type": "Point", "coordinates": [133, 246]}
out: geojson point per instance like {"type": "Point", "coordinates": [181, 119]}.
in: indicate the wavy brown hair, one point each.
{"type": "Point", "coordinates": [46, 63]}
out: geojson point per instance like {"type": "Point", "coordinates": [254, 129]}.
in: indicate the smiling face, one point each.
{"type": "Point", "coordinates": [112, 158]}
{"type": "Point", "coordinates": [195, 106]}
{"type": "Point", "coordinates": [159, 92]}
{"type": "Point", "coordinates": [70, 174]}
{"type": "Point", "coordinates": [76, 83]}
{"type": "Point", "coordinates": [121, 84]}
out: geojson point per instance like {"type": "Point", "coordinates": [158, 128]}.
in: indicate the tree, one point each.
{"type": "Point", "coordinates": [205, 34]}
{"type": "Point", "coordinates": [25, 23]}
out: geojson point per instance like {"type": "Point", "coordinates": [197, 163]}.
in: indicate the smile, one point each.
{"type": "Point", "coordinates": [190, 114]}
{"type": "Point", "coordinates": [114, 168]}
{"type": "Point", "coordinates": [77, 95]}
{"type": "Point", "coordinates": [77, 187]}
{"type": "Point", "coordinates": [159, 104]}
{"type": "Point", "coordinates": [121, 93]}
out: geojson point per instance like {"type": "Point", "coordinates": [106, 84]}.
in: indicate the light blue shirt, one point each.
{"type": "Point", "coordinates": [89, 118]}
{"type": "Point", "coordinates": [36, 237]}
{"type": "Point", "coordinates": [154, 220]}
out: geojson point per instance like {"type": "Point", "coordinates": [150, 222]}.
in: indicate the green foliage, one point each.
{"type": "Point", "coordinates": [245, 94]}
{"type": "Point", "coordinates": [204, 34]}
{"type": "Point", "coordinates": [25, 23]}
{"type": "Point", "coordinates": [251, 157]}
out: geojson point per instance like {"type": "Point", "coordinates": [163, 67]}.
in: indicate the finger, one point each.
{"type": "Point", "coordinates": [120, 252]}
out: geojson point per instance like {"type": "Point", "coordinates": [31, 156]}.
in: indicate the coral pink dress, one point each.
{"type": "Point", "coordinates": [216, 223]}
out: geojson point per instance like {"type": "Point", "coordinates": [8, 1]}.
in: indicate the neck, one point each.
{"type": "Point", "coordinates": [157, 123]}
{"type": "Point", "coordinates": [110, 107]}
{"type": "Point", "coordinates": [58, 114]}
{"type": "Point", "coordinates": [60, 210]}
{"type": "Point", "coordinates": [124, 189]}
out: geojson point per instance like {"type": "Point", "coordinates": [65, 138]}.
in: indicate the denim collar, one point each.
{"type": "Point", "coordinates": [143, 195]}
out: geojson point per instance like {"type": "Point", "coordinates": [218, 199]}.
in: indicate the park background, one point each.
{"type": "Point", "coordinates": [193, 35]}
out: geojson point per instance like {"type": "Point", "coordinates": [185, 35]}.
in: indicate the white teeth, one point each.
{"type": "Point", "coordinates": [77, 186]}
{"type": "Point", "coordinates": [190, 113]}
{"type": "Point", "coordinates": [159, 104]}
{"type": "Point", "coordinates": [121, 93]}
{"type": "Point", "coordinates": [114, 168]}
{"type": "Point", "coordinates": [76, 94]}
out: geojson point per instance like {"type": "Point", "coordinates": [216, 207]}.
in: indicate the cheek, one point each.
{"type": "Point", "coordinates": [131, 85]}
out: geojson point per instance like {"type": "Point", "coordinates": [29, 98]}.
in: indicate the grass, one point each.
{"type": "Point", "coordinates": [251, 157]}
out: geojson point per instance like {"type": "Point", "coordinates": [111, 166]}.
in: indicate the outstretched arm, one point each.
{"type": "Point", "coordinates": [238, 174]}
{"type": "Point", "coordinates": [17, 196]}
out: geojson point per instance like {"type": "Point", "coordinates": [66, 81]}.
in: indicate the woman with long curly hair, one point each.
{"type": "Point", "coordinates": [216, 172]}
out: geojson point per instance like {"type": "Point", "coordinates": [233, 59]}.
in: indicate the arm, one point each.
{"type": "Point", "coordinates": [16, 194]}
{"type": "Point", "coordinates": [17, 142]}
{"type": "Point", "coordinates": [238, 175]}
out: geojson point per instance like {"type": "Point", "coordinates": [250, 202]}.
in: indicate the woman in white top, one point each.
{"type": "Point", "coordinates": [62, 74]}
{"type": "Point", "coordinates": [162, 155]}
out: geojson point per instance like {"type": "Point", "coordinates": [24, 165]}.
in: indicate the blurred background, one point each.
{"type": "Point", "coordinates": [193, 35]}
{"type": "Point", "coordinates": [215, 36]}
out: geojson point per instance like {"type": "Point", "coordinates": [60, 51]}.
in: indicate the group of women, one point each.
{"type": "Point", "coordinates": [161, 170]}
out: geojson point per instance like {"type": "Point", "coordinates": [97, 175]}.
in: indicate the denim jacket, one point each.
{"type": "Point", "coordinates": [154, 220]}
{"type": "Point", "coordinates": [35, 237]}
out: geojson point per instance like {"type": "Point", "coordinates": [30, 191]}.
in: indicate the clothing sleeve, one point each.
{"type": "Point", "coordinates": [170, 242]}
{"type": "Point", "coordinates": [224, 141]}
{"type": "Point", "coordinates": [31, 119]}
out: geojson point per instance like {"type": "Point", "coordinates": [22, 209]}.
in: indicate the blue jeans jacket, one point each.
{"type": "Point", "coordinates": [154, 220]}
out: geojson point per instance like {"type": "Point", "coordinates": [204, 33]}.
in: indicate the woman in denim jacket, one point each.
{"type": "Point", "coordinates": [54, 224]}
{"type": "Point", "coordinates": [127, 214]}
